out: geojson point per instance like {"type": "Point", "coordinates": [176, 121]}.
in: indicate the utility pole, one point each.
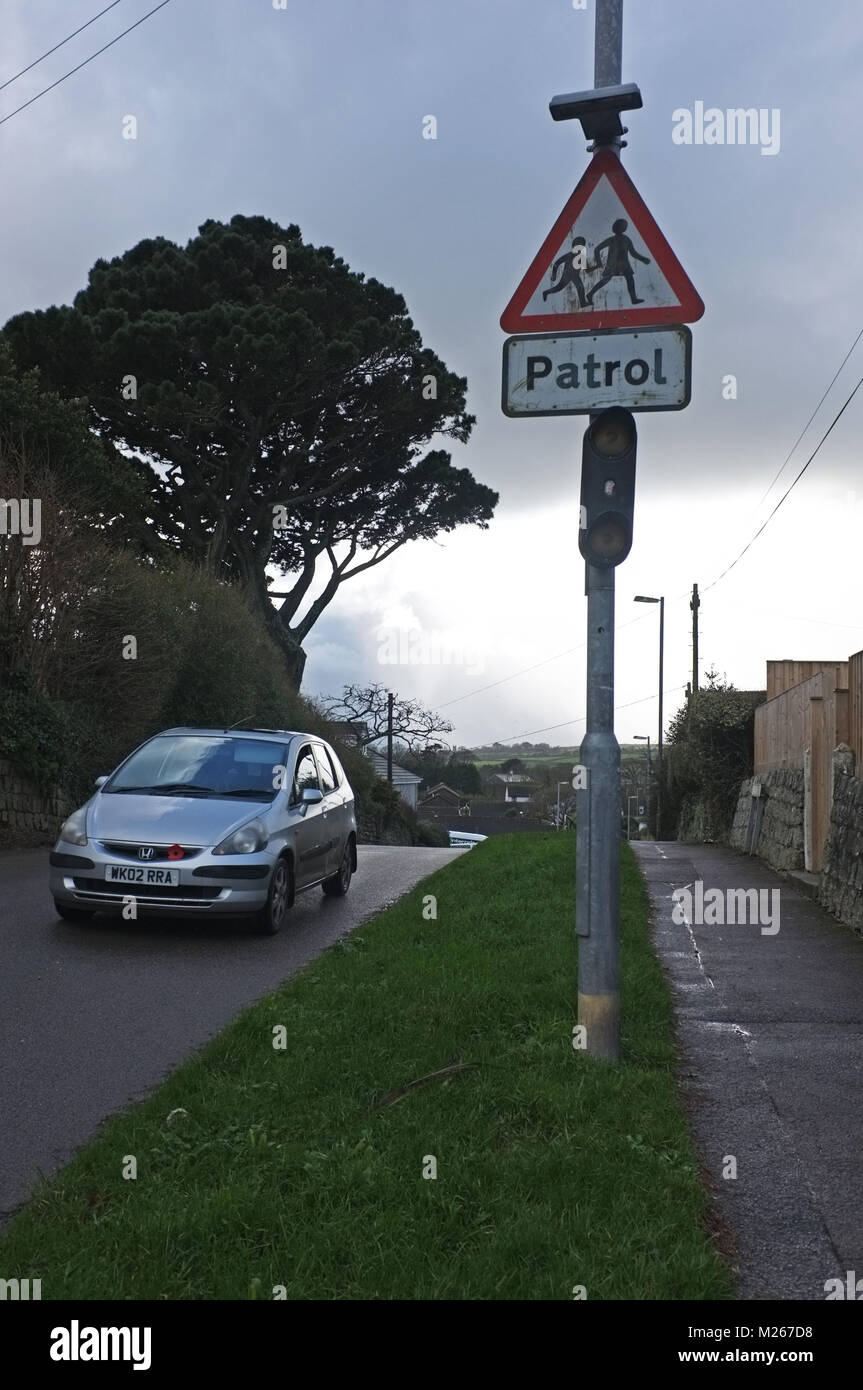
{"type": "Point", "coordinates": [644, 598]}
{"type": "Point", "coordinates": [695, 604]}
{"type": "Point", "coordinates": [597, 892]}
{"type": "Point", "coordinates": [390, 698]}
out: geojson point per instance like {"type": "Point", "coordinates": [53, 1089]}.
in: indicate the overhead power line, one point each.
{"type": "Point", "coordinates": [72, 71]}
{"type": "Point", "coordinates": [527, 669]}
{"type": "Point", "coordinates": [581, 718]}
{"type": "Point", "coordinates": [47, 54]}
{"type": "Point", "coordinates": [796, 617]}
{"type": "Point", "coordinates": [814, 413]}
{"type": "Point", "coordinates": [789, 489]}
{"type": "Point", "coordinates": [512, 677]}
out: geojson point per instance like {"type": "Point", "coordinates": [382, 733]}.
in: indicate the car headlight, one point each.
{"type": "Point", "coordinates": [249, 839]}
{"type": "Point", "coordinates": [74, 830]}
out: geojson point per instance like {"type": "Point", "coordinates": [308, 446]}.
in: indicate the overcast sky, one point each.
{"type": "Point", "coordinates": [314, 114]}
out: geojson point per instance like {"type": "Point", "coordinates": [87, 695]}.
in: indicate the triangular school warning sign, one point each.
{"type": "Point", "coordinates": [604, 264]}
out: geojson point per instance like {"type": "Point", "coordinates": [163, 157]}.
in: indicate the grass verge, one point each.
{"type": "Point", "coordinates": [302, 1167]}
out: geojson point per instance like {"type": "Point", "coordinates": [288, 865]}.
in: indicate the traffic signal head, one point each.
{"type": "Point", "coordinates": [608, 487]}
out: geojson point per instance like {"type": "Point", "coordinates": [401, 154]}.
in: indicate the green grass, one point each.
{"type": "Point", "coordinates": [553, 1169]}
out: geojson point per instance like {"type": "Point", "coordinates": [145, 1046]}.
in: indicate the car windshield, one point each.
{"type": "Point", "coordinates": [203, 765]}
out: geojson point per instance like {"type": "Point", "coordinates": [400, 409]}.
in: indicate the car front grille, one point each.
{"type": "Point", "coordinates": [123, 849]}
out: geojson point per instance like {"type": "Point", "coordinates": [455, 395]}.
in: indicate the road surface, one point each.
{"type": "Point", "coordinates": [93, 1016]}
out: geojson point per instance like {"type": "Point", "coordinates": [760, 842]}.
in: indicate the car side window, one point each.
{"type": "Point", "coordinates": [328, 776]}
{"type": "Point", "coordinates": [337, 767]}
{"type": "Point", "coordinates": [306, 774]}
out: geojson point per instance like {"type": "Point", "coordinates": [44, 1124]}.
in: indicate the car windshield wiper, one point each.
{"type": "Point", "coordinates": [169, 788]}
{"type": "Point", "coordinates": [248, 791]}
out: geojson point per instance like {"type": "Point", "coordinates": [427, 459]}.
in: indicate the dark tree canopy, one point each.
{"type": "Point", "coordinates": [512, 765]}
{"type": "Point", "coordinates": [42, 434]}
{"type": "Point", "coordinates": [436, 764]}
{"type": "Point", "coordinates": [270, 381]}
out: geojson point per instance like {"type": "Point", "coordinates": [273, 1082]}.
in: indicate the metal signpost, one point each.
{"type": "Point", "coordinates": [599, 321]}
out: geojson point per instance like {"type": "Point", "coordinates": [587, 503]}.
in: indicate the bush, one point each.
{"type": "Point", "coordinates": [34, 731]}
{"type": "Point", "coordinates": [72, 706]}
{"type": "Point", "coordinates": [432, 835]}
{"type": "Point", "coordinates": [709, 753]}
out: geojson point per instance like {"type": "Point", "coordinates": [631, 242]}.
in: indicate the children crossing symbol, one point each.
{"type": "Point", "coordinates": [604, 264]}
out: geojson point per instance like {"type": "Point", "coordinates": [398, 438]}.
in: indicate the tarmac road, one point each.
{"type": "Point", "coordinates": [93, 1016]}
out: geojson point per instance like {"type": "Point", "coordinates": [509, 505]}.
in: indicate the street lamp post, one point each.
{"type": "Point", "coordinates": [641, 598]}
{"type": "Point", "coordinates": [645, 738]}
{"type": "Point", "coordinates": [557, 820]}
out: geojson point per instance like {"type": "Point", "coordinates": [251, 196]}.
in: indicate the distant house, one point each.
{"type": "Point", "coordinates": [511, 786]}
{"type": "Point", "coordinates": [405, 783]}
{"type": "Point", "coordinates": [444, 798]}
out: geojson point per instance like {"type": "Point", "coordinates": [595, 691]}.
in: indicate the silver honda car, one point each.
{"type": "Point", "coordinates": [210, 822]}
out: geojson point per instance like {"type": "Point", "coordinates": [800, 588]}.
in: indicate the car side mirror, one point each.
{"type": "Point", "coordinates": [311, 796]}
{"type": "Point", "coordinates": [100, 782]}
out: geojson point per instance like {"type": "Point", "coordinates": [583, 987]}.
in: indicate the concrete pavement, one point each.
{"type": "Point", "coordinates": [770, 1028]}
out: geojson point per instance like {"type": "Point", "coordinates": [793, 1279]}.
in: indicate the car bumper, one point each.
{"type": "Point", "coordinates": [209, 885]}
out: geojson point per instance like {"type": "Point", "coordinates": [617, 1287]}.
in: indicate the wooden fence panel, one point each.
{"type": "Point", "coordinates": [855, 708]}
{"type": "Point", "coordinates": [783, 726]}
{"type": "Point", "coordinates": [819, 781]}
{"type": "Point", "coordinates": [782, 675]}
{"type": "Point", "coordinates": [802, 722]}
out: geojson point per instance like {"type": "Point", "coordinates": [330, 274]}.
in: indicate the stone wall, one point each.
{"type": "Point", "coordinates": [29, 813]}
{"type": "Point", "coordinates": [841, 888]}
{"type": "Point", "coordinates": [779, 841]}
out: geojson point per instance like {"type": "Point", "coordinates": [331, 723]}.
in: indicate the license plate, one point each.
{"type": "Point", "coordinates": [121, 873]}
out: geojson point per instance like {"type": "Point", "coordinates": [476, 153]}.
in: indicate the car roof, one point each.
{"type": "Point", "coordinates": [273, 735]}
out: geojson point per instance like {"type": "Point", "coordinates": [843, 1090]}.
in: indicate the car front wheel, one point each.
{"type": "Point", "coordinates": [338, 885]}
{"type": "Point", "coordinates": [272, 918]}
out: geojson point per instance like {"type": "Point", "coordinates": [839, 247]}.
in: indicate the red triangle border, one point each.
{"type": "Point", "coordinates": [690, 306]}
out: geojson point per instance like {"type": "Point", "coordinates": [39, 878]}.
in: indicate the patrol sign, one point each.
{"type": "Point", "coordinates": [577, 373]}
{"type": "Point", "coordinates": [604, 264]}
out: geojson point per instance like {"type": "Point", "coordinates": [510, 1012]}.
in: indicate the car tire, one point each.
{"type": "Point", "coordinates": [280, 897]}
{"type": "Point", "coordinates": [338, 885]}
{"type": "Point", "coordinates": [73, 914]}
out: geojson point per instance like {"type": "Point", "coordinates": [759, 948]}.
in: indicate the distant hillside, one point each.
{"type": "Point", "coordinates": [496, 753]}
